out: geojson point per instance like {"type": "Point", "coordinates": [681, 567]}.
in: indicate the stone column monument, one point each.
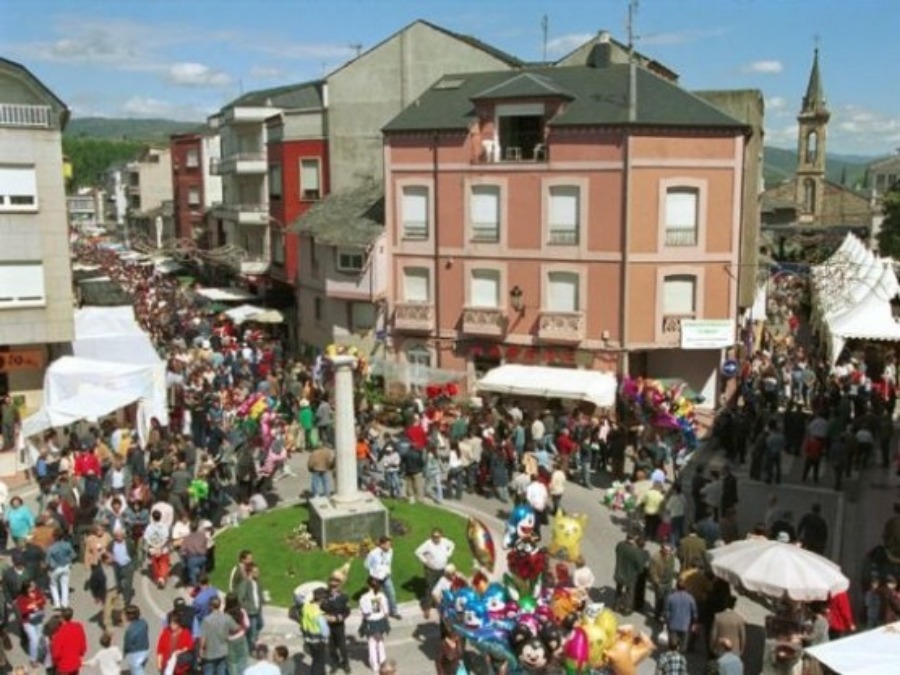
{"type": "Point", "coordinates": [350, 515]}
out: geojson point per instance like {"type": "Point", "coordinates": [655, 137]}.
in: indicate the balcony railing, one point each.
{"type": "Point", "coordinates": [561, 326]}
{"type": "Point", "coordinates": [255, 264]}
{"type": "Point", "coordinates": [215, 166]}
{"type": "Point", "coordinates": [671, 328]}
{"type": "Point", "coordinates": [484, 321]}
{"type": "Point", "coordinates": [414, 316]}
{"type": "Point", "coordinates": [681, 236]}
{"type": "Point", "coordinates": [486, 233]}
{"type": "Point", "coordinates": [20, 115]}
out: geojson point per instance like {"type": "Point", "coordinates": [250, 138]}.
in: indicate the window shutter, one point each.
{"type": "Point", "coordinates": [678, 295]}
{"type": "Point", "coordinates": [562, 292]}
{"type": "Point", "coordinates": [415, 210]}
{"type": "Point", "coordinates": [564, 208]}
{"type": "Point", "coordinates": [485, 206]}
{"type": "Point", "coordinates": [17, 181]}
{"type": "Point", "coordinates": [21, 284]}
{"type": "Point", "coordinates": [415, 285]}
{"type": "Point", "coordinates": [309, 175]}
{"type": "Point", "coordinates": [681, 208]}
{"type": "Point", "coordinates": [485, 290]}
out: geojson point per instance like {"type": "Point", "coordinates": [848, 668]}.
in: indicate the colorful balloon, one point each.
{"type": "Point", "coordinates": [566, 535]}
{"type": "Point", "coordinates": [481, 543]}
{"type": "Point", "coordinates": [576, 651]}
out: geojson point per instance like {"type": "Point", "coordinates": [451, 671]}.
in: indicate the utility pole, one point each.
{"type": "Point", "coordinates": [632, 66]}
{"type": "Point", "coordinates": [356, 47]}
{"type": "Point", "coordinates": [545, 26]}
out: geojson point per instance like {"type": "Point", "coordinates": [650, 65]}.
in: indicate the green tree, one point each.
{"type": "Point", "coordinates": [90, 157]}
{"type": "Point", "coordinates": [889, 234]}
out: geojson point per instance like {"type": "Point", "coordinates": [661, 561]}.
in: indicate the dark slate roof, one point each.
{"type": "Point", "coordinates": [599, 97]}
{"type": "Point", "coordinates": [302, 96]}
{"type": "Point", "coordinates": [353, 217]}
{"type": "Point", "coordinates": [61, 108]}
{"type": "Point", "coordinates": [523, 85]}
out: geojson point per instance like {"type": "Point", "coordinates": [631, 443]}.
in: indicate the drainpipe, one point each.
{"type": "Point", "coordinates": [436, 252]}
{"type": "Point", "coordinates": [626, 218]}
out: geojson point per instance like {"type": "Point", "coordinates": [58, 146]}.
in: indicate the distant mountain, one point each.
{"type": "Point", "coordinates": [780, 164]}
{"type": "Point", "coordinates": [127, 128]}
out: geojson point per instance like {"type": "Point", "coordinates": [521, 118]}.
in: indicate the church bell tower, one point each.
{"type": "Point", "coordinates": [812, 124]}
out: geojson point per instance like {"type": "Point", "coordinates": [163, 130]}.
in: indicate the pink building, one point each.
{"type": "Point", "coordinates": [530, 221]}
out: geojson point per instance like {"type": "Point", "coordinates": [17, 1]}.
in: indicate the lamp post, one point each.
{"type": "Point", "coordinates": [516, 297]}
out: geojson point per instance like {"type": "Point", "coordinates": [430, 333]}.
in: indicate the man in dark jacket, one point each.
{"type": "Point", "coordinates": [631, 561]}
{"type": "Point", "coordinates": [412, 464]}
{"type": "Point", "coordinates": [336, 608]}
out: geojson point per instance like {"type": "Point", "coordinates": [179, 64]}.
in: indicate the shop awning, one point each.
{"type": "Point", "coordinates": [873, 652]}
{"type": "Point", "coordinates": [225, 294]}
{"type": "Point", "coordinates": [547, 382]}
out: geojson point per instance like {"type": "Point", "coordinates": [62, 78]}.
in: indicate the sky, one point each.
{"type": "Point", "coordinates": [184, 59]}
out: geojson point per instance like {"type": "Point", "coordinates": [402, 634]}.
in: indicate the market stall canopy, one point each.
{"type": "Point", "coordinates": [873, 652]}
{"type": "Point", "coordinates": [225, 294]}
{"type": "Point", "coordinates": [778, 569]}
{"type": "Point", "coordinates": [90, 403]}
{"type": "Point", "coordinates": [253, 313]}
{"type": "Point", "coordinates": [548, 382]}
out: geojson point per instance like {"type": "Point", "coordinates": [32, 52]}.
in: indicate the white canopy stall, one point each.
{"type": "Point", "coordinates": [872, 652]}
{"type": "Point", "coordinates": [852, 293]}
{"type": "Point", "coordinates": [548, 382]}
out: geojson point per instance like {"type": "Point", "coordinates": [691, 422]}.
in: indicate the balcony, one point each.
{"type": "Point", "coordinates": [243, 164]}
{"type": "Point", "coordinates": [415, 317]}
{"type": "Point", "coordinates": [248, 114]}
{"type": "Point", "coordinates": [243, 214]}
{"type": "Point", "coordinates": [489, 321]}
{"type": "Point", "coordinates": [215, 166]}
{"type": "Point", "coordinates": [527, 152]}
{"type": "Point", "coordinates": [681, 236]}
{"type": "Point", "coordinates": [561, 326]}
{"type": "Point", "coordinates": [671, 329]}
{"type": "Point", "coordinates": [254, 265]}
{"type": "Point", "coordinates": [31, 116]}
{"type": "Point", "coordinates": [563, 236]}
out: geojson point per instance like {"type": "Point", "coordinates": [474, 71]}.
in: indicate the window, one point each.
{"type": "Point", "coordinates": [310, 186]}
{"type": "Point", "coordinates": [414, 212]}
{"type": "Point", "coordinates": [194, 196]}
{"type": "Point", "coordinates": [18, 188]}
{"type": "Point", "coordinates": [192, 158]}
{"type": "Point", "coordinates": [362, 316]}
{"type": "Point", "coordinates": [418, 359]}
{"type": "Point", "coordinates": [562, 292]}
{"type": "Point", "coordinates": [681, 216]}
{"type": "Point", "coordinates": [277, 247]}
{"type": "Point", "coordinates": [317, 308]}
{"type": "Point", "coordinates": [484, 213]}
{"type": "Point", "coordinates": [22, 284]}
{"type": "Point", "coordinates": [564, 214]}
{"type": "Point", "coordinates": [275, 181]}
{"type": "Point", "coordinates": [134, 202]}
{"type": "Point", "coordinates": [809, 195]}
{"type": "Point", "coordinates": [485, 288]}
{"type": "Point", "coordinates": [521, 131]}
{"type": "Point", "coordinates": [812, 147]}
{"type": "Point", "coordinates": [679, 296]}
{"type": "Point", "coordinates": [350, 261]}
{"type": "Point", "coordinates": [416, 285]}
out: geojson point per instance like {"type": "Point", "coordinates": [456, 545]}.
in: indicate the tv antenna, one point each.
{"type": "Point", "coordinates": [545, 27]}
{"type": "Point", "coordinates": [356, 47]}
{"type": "Point", "coordinates": [632, 67]}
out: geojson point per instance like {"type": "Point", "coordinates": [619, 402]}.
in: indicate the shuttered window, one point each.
{"type": "Point", "coordinates": [310, 187]}
{"type": "Point", "coordinates": [563, 212]}
{"type": "Point", "coordinates": [415, 212]}
{"type": "Point", "coordinates": [484, 214]}
{"type": "Point", "coordinates": [22, 284]}
{"type": "Point", "coordinates": [562, 292]}
{"type": "Point", "coordinates": [681, 216]}
{"type": "Point", "coordinates": [679, 295]}
{"type": "Point", "coordinates": [18, 188]}
{"type": "Point", "coordinates": [415, 285]}
{"type": "Point", "coordinates": [485, 290]}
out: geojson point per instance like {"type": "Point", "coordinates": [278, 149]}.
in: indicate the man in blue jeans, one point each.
{"type": "Point", "coordinates": [681, 615]}
{"type": "Point", "coordinates": [214, 631]}
{"type": "Point", "coordinates": [378, 563]}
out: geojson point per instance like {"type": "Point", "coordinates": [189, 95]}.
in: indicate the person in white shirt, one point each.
{"type": "Point", "coordinates": [444, 584]}
{"type": "Point", "coordinates": [263, 666]}
{"type": "Point", "coordinates": [108, 661]}
{"type": "Point", "coordinates": [378, 563]}
{"type": "Point", "coordinates": [434, 554]}
{"type": "Point", "coordinates": [536, 494]}
{"type": "Point", "coordinates": [375, 624]}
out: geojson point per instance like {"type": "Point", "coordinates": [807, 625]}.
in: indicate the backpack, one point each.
{"type": "Point", "coordinates": [295, 611]}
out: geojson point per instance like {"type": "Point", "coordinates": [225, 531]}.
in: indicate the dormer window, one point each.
{"type": "Point", "coordinates": [520, 131]}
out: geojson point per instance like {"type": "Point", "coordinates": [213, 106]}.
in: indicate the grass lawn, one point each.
{"type": "Point", "coordinates": [283, 568]}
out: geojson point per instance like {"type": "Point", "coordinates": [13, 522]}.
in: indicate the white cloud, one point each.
{"type": "Point", "coordinates": [765, 67]}
{"type": "Point", "coordinates": [190, 74]}
{"type": "Point", "coordinates": [265, 73]}
{"type": "Point", "coordinates": [855, 126]}
{"type": "Point", "coordinates": [682, 37]}
{"type": "Point", "coordinates": [146, 106]}
{"type": "Point", "coordinates": [784, 136]}
{"type": "Point", "coordinates": [321, 51]}
{"type": "Point", "coordinates": [566, 43]}
{"type": "Point", "coordinates": [774, 103]}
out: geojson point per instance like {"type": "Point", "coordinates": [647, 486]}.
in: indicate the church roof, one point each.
{"type": "Point", "coordinates": [814, 100]}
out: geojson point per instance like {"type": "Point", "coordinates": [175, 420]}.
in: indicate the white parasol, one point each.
{"type": "Point", "coordinates": [778, 569]}
{"type": "Point", "coordinates": [874, 652]}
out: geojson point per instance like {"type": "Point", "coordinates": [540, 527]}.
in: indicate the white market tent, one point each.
{"type": "Point", "coordinates": [244, 313]}
{"type": "Point", "coordinates": [872, 652]}
{"type": "Point", "coordinates": [114, 365]}
{"type": "Point", "coordinates": [548, 382]}
{"type": "Point", "coordinates": [225, 294]}
{"type": "Point", "coordinates": [852, 293]}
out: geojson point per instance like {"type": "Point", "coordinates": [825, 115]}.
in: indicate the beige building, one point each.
{"type": "Point", "coordinates": [36, 304]}
{"type": "Point", "coordinates": [148, 191]}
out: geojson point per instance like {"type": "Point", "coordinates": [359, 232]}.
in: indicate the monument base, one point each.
{"type": "Point", "coordinates": [332, 522]}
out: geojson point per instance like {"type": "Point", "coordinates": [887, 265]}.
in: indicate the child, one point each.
{"type": "Point", "coordinates": [109, 659]}
{"type": "Point", "coordinates": [874, 602]}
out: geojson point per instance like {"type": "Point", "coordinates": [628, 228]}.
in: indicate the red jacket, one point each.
{"type": "Point", "coordinates": [68, 647]}
{"type": "Point", "coordinates": [87, 462]}
{"type": "Point", "coordinates": [840, 615]}
{"type": "Point", "coordinates": [417, 436]}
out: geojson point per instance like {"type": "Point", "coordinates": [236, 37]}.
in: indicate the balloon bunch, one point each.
{"type": "Point", "coordinates": [620, 496]}
{"type": "Point", "coordinates": [522, 623]}
{"type": "Point", "coordinates": [362, 365]}
{"type": "Point", "coordinates": [437, 391]}
{"type": "Point", "coordinates": [258, 415]}
{"type": "Point", "coordinates": [666, 410]}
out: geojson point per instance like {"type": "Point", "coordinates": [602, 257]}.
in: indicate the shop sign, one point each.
{"type": "Point", "coordinates": [707, 333]}
{"type": "Point", "coordinates": [21, 359]}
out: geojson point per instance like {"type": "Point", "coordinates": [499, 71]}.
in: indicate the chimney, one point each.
{"type": "Point", "coordinates": [603, 37]}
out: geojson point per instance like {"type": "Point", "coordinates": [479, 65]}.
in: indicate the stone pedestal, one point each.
{"type": "Point", "coordinates": [332, 521]}
{"type": "Point", "coordinates": [349, 515]}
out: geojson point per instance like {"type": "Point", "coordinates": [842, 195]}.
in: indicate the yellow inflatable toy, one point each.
{"type": "Point", "coordinates": [566, 535]}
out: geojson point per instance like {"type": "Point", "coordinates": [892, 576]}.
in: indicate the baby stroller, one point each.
{"type": "Point", "coordinates": [373, 480]}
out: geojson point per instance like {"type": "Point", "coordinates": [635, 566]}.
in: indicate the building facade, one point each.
{"type": "Point", "coordinates": [36, 301]}
{"type": "Point", "coordinates": [194, 189]}
{"type": "Point", "coordinates": [85, 208]}
{"type": "Point", "coordinates": [531, 221]}
{"type": "Point", "coordinates": [148, 191]}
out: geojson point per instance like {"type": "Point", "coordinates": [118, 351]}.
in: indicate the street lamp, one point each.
{"type": "Point", "coordinates": [518, 303]}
